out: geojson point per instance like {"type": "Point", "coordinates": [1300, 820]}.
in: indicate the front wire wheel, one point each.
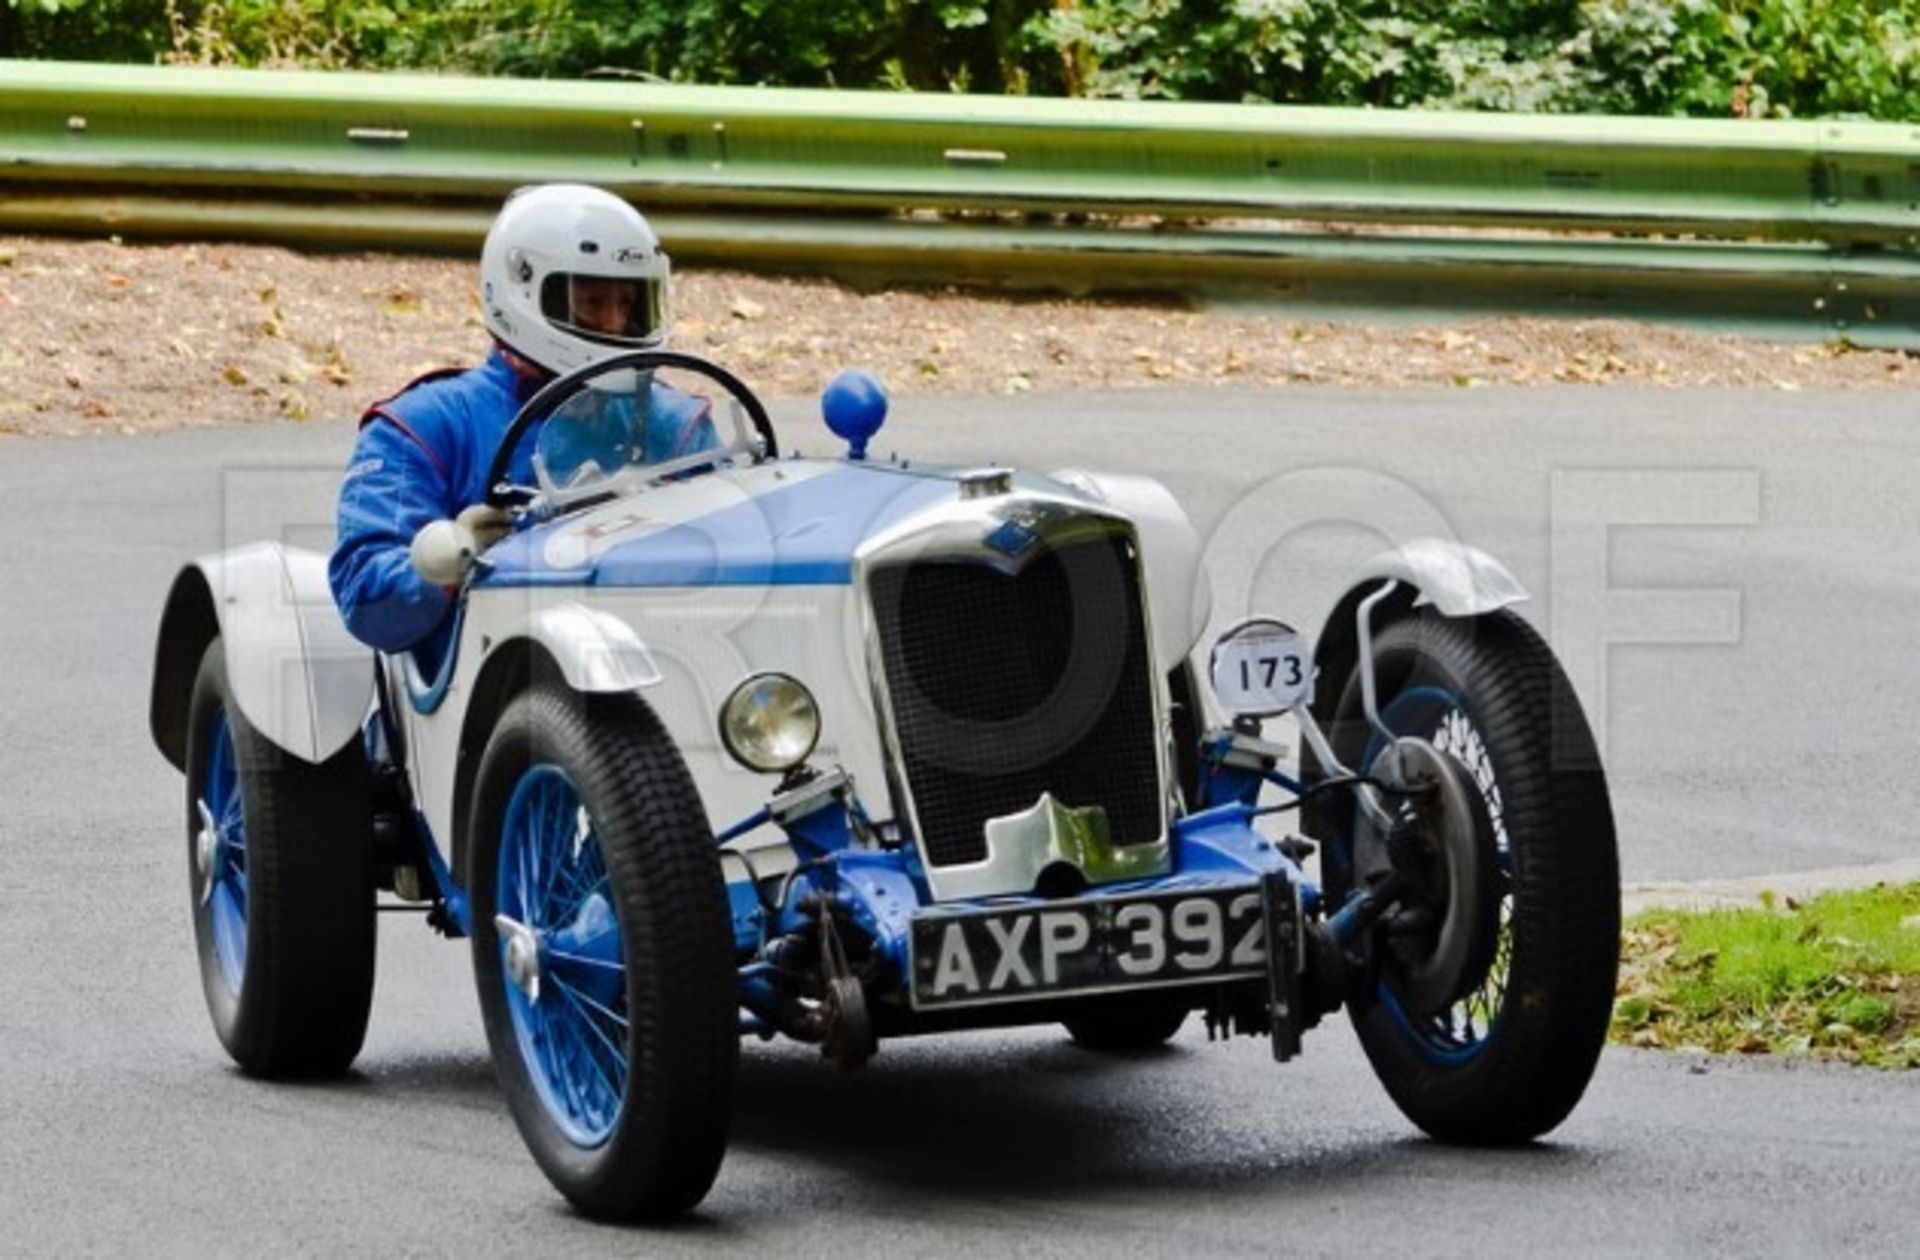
{"type": "Point", "coordinates": [566, 965]}
{"type": "Point", "coordinates": [603, 953]}
{"type": "Point", "coordinates": [1506, 1060]}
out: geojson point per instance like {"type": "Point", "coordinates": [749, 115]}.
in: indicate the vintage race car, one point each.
{"type": "Point", "coordinates": [844, 749]}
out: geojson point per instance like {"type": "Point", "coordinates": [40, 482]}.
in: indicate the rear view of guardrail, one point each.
{"type": "Point", "coordinates": [1807, 228]}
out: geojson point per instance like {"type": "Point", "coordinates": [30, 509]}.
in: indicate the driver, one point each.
{"type": "Point", "coordinates": [569, 276]}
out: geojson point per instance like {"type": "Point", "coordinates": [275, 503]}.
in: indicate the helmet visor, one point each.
{"type": "Point", "coordinates": [615, 311]}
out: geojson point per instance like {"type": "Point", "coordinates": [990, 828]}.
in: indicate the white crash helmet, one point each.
{"type": "Point", "coordinates": [543, 274]}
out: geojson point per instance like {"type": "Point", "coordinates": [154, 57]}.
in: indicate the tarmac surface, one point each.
{"type": "Point", "coordinates": [1759, 706]}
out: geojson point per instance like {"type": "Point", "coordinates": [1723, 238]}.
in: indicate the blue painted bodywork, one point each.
{"type": "Point", "coordinates": [799, 534]}
{"type": "Point", "coordinates": [453, 898]}
{"type": "Point", "coordinates": [430, 697]}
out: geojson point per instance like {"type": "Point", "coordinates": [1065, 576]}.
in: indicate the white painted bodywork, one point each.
{"type": "Point", "coordinates": [304, 682]}
{"type": "Point", "coordinates": [1459, 580]}
{"type": "Point", "coordinates": [596, 651]}
{"type": "Point", "coordinates": [686, 647]}
{"type": "Point", "coordinates": [307, 684]}
{"type": "Point", "coordinates": [698, 642]}
{"type": "Point", "coordinates": [579, 540]}
{"type": "Point", "coordinates": [295, 672]}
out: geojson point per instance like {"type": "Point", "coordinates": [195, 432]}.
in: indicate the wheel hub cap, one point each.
{"type": "Point", "coordinates": [1463, 910]}
{"type": "Point", "coordinates": [522, 957]}
{"type": "Point", "coordinates": [206, 847]}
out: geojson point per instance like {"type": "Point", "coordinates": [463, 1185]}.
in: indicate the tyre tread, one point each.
{"type": "Point", "coordinates": [665, 872]}
{"type": "Point", "coordinates": [1566, 907]}
{"type": "Point", "coordinates": [308, 985]}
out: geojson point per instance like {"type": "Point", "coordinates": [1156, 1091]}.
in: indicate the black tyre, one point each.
{"type": "Point", "coordinates": [1125, 1031]}
{"type": "Point", "coordinates": [1507, 1061]}
{"type": "Point", "coordinates": [607, 980]}
{"type": "Point", "coordinates": [279, 856]}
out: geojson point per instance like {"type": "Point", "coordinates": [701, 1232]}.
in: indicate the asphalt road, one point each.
{"type": "Point", "coordinates": [1777, 531]}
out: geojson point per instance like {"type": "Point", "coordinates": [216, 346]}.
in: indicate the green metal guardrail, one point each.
{"type": "Point", "coordinates": [1763, 290]}
{"type": "Point", "coordinates": [831, 180]}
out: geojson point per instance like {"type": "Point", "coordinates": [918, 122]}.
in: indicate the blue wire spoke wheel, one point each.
{"type": "Point", "coordinates": [279, 854]}
{"type": "Point", "coordinates": [1505, 1055]}
{"type": "Point", "coordinates": [563, 965]}
{"type": "Point", "coordinates": [220, 855]}
{"type": "Point", "coordinates": [603, 952]}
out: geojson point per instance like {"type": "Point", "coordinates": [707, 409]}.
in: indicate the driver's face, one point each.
{"type": "Point", "coordinates": [605, 306]}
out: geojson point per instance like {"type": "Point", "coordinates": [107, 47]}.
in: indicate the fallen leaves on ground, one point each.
{"type": "Point", "coordinates": [1796, 988]}
{"type": "Point", "coordinates": [125, 321]}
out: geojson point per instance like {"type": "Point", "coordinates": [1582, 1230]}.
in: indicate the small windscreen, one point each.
{"type": "Point", "coordinates": [627, 428]}
{"type": "Point", "coordinates": [622, 311]}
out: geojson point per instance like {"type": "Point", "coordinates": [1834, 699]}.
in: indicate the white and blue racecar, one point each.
{"type": "Point", "coordinates": [843, 749]}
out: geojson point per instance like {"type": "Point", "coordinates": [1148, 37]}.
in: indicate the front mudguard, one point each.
{"type": "Point", "coordinates": [296, 673]}
{"type": "Point", "coordinates": [1457, 579]}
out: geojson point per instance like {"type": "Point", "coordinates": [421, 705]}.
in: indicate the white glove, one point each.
{"type": "Point", "coordinates": [442, 552]}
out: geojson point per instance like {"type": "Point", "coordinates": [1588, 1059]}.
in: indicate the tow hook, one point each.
{"type": "Point", "coordinates": [849, 1040]}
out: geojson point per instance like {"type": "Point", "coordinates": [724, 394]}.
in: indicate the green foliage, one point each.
{"type": "Point", "coordinates": [1701, 57]}
{"type": "Point", "coordinates": [1820, 58]}
{"type": "Point", "coordinates": [851, 43]}
{"type": "Point", "coordinates": [102, 30]}
{"type": "Point", "coordinates": [1744, 57]}
{"type": "Point", "coordinates": [1861, 1013]}
{"type": "Point", "coordinates": [1837, 976]}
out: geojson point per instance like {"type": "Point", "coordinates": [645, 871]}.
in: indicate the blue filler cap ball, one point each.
{"type": "Point", "coordinates": [855, 405]}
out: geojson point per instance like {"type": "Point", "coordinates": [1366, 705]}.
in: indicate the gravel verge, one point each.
{"type": "Point", "coordinates": [98, 336]}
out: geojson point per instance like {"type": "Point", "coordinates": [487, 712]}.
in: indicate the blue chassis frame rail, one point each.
{"type": "Point", "coordinates": [878, 890]}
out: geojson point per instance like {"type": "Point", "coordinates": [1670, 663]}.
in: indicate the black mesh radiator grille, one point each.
{"type": "Point", "coordinates": [1004, 686]}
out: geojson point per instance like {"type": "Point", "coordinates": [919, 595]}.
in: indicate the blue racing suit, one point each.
{"type": "Point", "coordinates": [421, 457]}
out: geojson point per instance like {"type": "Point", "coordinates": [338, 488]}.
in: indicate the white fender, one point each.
{"type": "Point", "coordinates": [1459, 580]}
{"type": "Point", "coordinates": [597, 652]}
{"type": "Point", "coordinates": [295, 672]}
{"type": "Point", "coordinates": [1181, 597]}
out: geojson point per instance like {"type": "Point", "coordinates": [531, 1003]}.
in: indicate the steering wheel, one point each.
{"type": "Point", "coordinates": [558, 391]}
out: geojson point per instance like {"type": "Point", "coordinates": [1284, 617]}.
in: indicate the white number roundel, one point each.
{"type": "Point", "coordinates": [1262, 669]}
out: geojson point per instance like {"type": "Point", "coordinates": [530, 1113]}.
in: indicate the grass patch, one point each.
{"type": "Point", "coordinates": [1836, 977]}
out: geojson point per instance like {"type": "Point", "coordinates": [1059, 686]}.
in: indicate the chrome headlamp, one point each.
{"type": "Point", "coordinates": [770, 723]}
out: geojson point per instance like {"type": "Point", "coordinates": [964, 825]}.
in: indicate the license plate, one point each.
{"type": "Point", "coordinates": [1099, 945]}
